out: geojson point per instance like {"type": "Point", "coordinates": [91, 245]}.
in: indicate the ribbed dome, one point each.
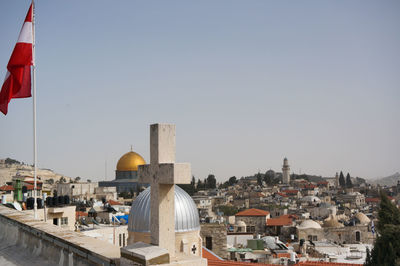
{"type": "Point", "coordinates": [309, 224]}
{"type": "Point", "coordinates": [362, 218]}
{"type": "Point", "coordinates": [186, 214]}
{"type": "Point", "coordinates": [130, 162]}
{"type": "Point", "coordinates": [332, 222]}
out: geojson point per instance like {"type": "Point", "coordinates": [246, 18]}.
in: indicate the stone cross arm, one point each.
{"type": "Point", "coordinates": [165, 173]}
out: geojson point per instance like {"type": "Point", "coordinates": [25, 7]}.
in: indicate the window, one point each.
{"type": "Point", "coordinates": [314, 238]}
{"type": "Point", "coordinates": [123, 242]}
{"type": "Point", "coordinates": [120, 240]}
{"type": "Point", "coordinates": [55, 221]}
{"type": "Point", "coordinates": [64, 220]}
{"type": "Point", "coordinates": [209, 242]}
{"type": "Point", "coordinates": [358, 236]}
{"type": "Point", "coordinates": [310, 238]}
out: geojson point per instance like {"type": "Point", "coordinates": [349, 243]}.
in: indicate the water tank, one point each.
{"type": "Point", "coordinates": [60, 200]}
{"type": "Point", "coordinates": [53, 202]}
{"type": "Point", "coordinates": [39, 203]}
{"type": "Point", "coordinates": [29, 203]}
{"type": "Point", "coordinates": [49, 201]}
{"type": "Point", "coordinates": [66, 200]}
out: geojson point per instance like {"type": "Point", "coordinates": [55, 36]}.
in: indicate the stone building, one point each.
{"type": "Point", "coordinates": [255, 220]}
{"type": "Point", "coordinates": [214, 238]}
{"type": "Point", "coordinates": [310, 230]}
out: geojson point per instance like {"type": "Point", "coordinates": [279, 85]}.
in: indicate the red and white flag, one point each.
{"type": "Point", "coordinates": [17, 83]}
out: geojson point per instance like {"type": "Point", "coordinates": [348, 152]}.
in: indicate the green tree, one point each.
{"type": "Point", "coordinates": [62, 180]}
{"type": "Point", "coordinates": [368, 257]}
{"type": "Point", "coordinates": [349, 184]}
{"type": "Point", "coordinates": [232, 180]}
{"type": "Point", "coordinates": [77, 179]}
{"type": "Point", "coordinates": [342, 181]}
{"type": "Point", "coordinates": [200, 185]}
{"type": "Point", "coordinates": [259, 179]}
{"type": "Point", "coordinates": [211, 181]}
{"type": "Point", "coordinates": [386, 249]}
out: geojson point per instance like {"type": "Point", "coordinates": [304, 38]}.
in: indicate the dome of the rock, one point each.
{"type": "Point", "coordinates": [186, 214]}
{"type": "Point", "coordinates": [130, 162]}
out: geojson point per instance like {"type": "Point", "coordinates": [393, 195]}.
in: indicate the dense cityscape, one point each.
{"type": "Point", "coordinates": [275, 217]}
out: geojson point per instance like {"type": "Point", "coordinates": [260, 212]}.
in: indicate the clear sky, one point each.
{"type": "Point", "coordinates": [246, 82]}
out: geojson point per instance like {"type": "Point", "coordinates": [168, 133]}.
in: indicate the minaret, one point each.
{"type": "Point", "coordinates": [285, 172]}
{"type": "Point", "coordinates": [336, 180]}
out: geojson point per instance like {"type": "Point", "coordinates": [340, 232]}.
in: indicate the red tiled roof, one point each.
{"type": "Point", "coordinates": [209, 255]}
{"type": "Point", "coordinates": [282, 255]}
{"type": "Point", "coordinates": [311, 186]}
{"type": "Point", "coordinates": [30, 187]}
{"type": "Point", "coordinates": [314, 263]}
{"type": "Point", "coordinates": [280, 221]}
{"type": "Point", "coordinates": [31, 182]}
{"type": "Point", "coordinates": [235, 263]}
{"type": "Point", "coordinates": [6, 188]}
{"type": "Point", "coordinates": [282, 194]}
{"type": "Point", "coordinates": [323, 183]}
{"type": "Point", "coordinates": [252, 212]}
{"type": "Point", "coordinates": [293, 216]}
{"type": "Point", "coordinates": [291, 191]}
{"type": "Point", "coordinates": [372, 200]}
{"type": "Point", "coordinates": [113, 202]}
{"type": "Point", "coordinates": [80, 214]}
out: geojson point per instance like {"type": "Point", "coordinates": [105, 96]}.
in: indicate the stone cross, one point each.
{"type": "Point", "coordinates": [163, 173]}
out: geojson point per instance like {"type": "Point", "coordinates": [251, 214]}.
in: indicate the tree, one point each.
{"type": "Point", "coordinates": [232, 180]}
{"type": "Point", "coordinates": [368, 257]}
{"type": "Point", "coordinates": [77, 179]}
{"type": "Point", "coordinates": [189, 188]}
{"type": "Point", "coordinates": [89, 181]}
{"type": "Point", "coordinates": [211, 181]}
{"type": "Point", "coordinates": [342, 182]}
{"type": "Point", "coordinates": [386, 249]}
{"type": "Point", "coordinates": [62, 180]}
{"type": "Point", "coordinates": [349, 184]}
{"type": "Point", "coordinates": [11, 161]}
{"type": "Point", "coordinates": [199, 185]}
{"type": "Point", "coordinates": [259, 179]}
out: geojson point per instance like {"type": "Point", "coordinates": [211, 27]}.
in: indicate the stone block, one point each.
{"type": "Point", "coordinates": [145, 254]}
{"type": "Point", "coordinates": [162, 143]}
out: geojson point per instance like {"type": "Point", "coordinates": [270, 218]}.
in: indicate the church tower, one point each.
{"type": "Point", "coordinates": [285, 172]}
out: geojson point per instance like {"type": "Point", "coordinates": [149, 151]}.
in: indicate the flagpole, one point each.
{"type": "Point", "coordinates": [34, 115]}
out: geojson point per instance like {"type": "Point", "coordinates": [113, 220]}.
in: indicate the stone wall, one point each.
{"type": "Point", "coordinates": [218, 235]}
{"type": "Point", "coordinates": [259, 222]}
{"type": "Point", "coordinates": [25, 241]}
{"type": "Point", "coordinates": [347, 234]}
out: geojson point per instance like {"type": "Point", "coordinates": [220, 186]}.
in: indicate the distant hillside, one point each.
{"type": "Point", "coordinates": [10, 167]}
{"type": "Point", "coordinates": [387, 181]}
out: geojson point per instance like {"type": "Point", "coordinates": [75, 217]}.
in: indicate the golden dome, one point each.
{"type": "Point", "coordinates": [130, 162]}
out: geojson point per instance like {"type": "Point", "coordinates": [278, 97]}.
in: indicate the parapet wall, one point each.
{"type": "Point", "coordinates": [25, 241]}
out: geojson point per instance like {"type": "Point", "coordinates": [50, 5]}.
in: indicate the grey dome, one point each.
{"type": "Point", "coordinates": [186, 214]}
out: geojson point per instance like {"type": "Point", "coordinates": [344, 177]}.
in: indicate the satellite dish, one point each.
{"type": "Point", "coordinates": [17, 206]}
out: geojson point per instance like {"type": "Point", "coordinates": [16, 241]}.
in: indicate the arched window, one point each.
{"type": "Point", "coordinates": [358, 236]}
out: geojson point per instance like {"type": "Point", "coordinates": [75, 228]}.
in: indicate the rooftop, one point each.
{"type": "Point", "coordinates": [252, 212]}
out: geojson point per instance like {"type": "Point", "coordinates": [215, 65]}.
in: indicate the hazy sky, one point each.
{"type": "Point", "coordinates": [246, 83]}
